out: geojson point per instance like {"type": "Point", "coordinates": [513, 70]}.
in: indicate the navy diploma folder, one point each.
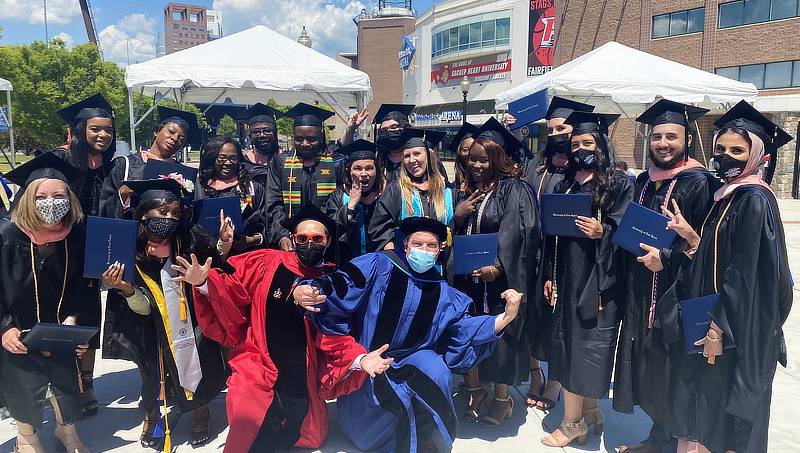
{"type": "Point", "coordinates": [642, 225]}
{"type": "Point", "coordinates": [206, 213]}
{"type": "Point", "coordinates": [156, 169]}
{"type": "Point", "coordinates": [559, 212]}
{"type": "Point", "coordinates": [57, 337]}
{"type": "Point", "coordinates": [696, 317]}
{"type": "Point", "coordinates": [473, 251]}
{"type": "Point", "coordinates": [108, 241]}
{"type": "Point", "coordinates": [528, 109]}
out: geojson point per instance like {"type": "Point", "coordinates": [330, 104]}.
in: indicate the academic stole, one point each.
{"type": "Point", "coordinates": [360, 248]}
{"type": "Point", "coordinates": [418, 211]}
{"type": "Point", "coordinates": [325, 177]}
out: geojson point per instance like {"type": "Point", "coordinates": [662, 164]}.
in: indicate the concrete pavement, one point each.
{"type": "Point", "coordinates": [116, 428]}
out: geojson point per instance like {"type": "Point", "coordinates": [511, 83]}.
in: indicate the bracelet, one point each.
{"type": "Point", "coordinates": [260, 239]}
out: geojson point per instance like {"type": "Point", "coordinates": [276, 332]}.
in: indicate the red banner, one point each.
{"type": "Point", "coordinates": [481, 69]}
{"type": "Point", "coordinates": [541, 36]}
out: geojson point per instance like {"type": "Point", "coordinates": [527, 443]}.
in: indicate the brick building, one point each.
{"type": "Point", "coordinates": [184, 26]}
{"type": "Point", "coordinates": [748, 40]}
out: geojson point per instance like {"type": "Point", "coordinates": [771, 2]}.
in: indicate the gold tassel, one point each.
{"type": "Point", "coordinates": [167, 437]}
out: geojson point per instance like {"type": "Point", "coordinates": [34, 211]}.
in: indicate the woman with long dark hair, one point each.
{"type": "Point", "coordinates": [151, 320]}
{"type": "Point", "coordinates": [498, 201]}
{"type": "Point", "coordinates": [459, 146]}
{"type": "Point", "coordinates": [223, 173]}
{"type": "Point", "coordinates": [582, 282]}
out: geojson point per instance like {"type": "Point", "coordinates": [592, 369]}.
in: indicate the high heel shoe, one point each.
{"type": "Point", "coordinates": [66, 439]}
{"type": "Point", "coordinates": [532, 399]}
{"type": "Point", "coordinates": [148, 426]}
{"type": "Point", "coordinates": [477, 399]}
{"type": "Point", "coordinates": [570, 432]}
{"type": "Point", "coordinates": [545, 403]}
{"type": "Point", "coordinates": [492, 422]}
{"type": "Point", "coordinates": [28, 444]}
{"type": "Point", "coordinates": [594, 416]}
{"type": "Point", "coordinates": [90, 404]}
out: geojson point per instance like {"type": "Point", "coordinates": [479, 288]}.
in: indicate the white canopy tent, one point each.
{"type": "Point", "coordinates": [6, 86]}
{"type": "Point", "coordinates": [248, 67]}
{"type": "Point", "coordinates": [616, 78]}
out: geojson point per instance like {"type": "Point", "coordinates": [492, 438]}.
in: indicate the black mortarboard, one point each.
{"type": "Point", "coordinates": [361, 149]}
{"type": "Point", "coordinates": [157, 186]}
{"type": "Point", "coordinates": [44, 166]}
{"type": "Point", "coordinates": [411, 225]}
{"type": "Point", "coordinates": [262, 113]}
{"type": "Point", "coordinates": [670, 112]}
{"type": "Point", "coordinates": [184, 119]}
{"type": "Point", "coordinates": [92, 107]}
{"type": "Point", "coordinates": [468, 130]}
{"type": "Point", "coordinates": [397, 112]}
{"type": "Point", "coordinates": [156, 169]}
{"type": "Point", "coordinates": [310, 212]}
{"type": "Point", "coordinates": [421, 138]}
{"type": "Point", "coordinates": [588, 122]}
{"type": "Point", "coordinates": [308, 115]}
{"type": "Point", "coordinates": [562, 108]}
{"type": "Point", "coordinates": [496, 132]}
{"type": "Point", "coordinates": [745, 116]}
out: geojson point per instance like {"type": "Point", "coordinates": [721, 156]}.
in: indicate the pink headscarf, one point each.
{"type": "Point", "coordinates": [753, 173]}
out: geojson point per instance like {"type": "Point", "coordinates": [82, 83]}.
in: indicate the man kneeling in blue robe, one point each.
{"type": "Point", "coordinates": [398, 298]}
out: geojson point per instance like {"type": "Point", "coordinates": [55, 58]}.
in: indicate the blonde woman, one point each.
{"type": "Point", "coordinates": [41, 255]}
{"type": "Point", "coordinates": [420, 190]}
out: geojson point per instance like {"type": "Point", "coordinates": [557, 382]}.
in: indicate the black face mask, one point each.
{"type": "Point", "coordinates": [162, 228]}
{"type": "Point", "coordinates": [310, 254]}
{"type": "Point", "coordinates": [584, 159]}
{"type": "Point", "coordinates": [390, 139]}
{"type": "Point", "coordinates": [727, 167]}
{"type": "Point", "coordinates": [557, 144]}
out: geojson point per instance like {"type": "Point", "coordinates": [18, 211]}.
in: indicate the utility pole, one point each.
{"type": "Point", "coordinates": [46, 35]}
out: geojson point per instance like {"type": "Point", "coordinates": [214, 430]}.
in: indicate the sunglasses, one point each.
{"type": "Point", "coordinates": [315, 238]}
{"type": "Point", "coordinates": [222, 158]}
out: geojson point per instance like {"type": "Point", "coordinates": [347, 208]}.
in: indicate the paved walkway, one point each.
{"type": "Point", "coordinates": [117, 427]}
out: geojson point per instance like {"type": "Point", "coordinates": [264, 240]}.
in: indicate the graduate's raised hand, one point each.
{"type": "Point", "coordinates": [513, 300]}
{"type": "Point", "coordinates": [12, 343]}
{"type": "Point", "coordinates": [467, 207]}
{"type": "Point", "coordinates": [226, 228]}
{"type": "Point", "coordinates": [590, 227]}
{"type": "Point", "coordinates": [508, 119]}
{"type": "Point", "coordinates": [355, 195]}
{"type": "Point", "coordinates": [192, 272]}
{"type": "Point", "coordinates": [112, 278]}
{"type": "Point", "coordinates": [679, 224]}
{"type": "Point", "coordinates": [307, 297]}
{"type": "Point", "coordinates": [652, 259]}
{"type": "Point", "coordinates": [373, 364]}
{"type": "Point", "coordinates": [356, 120]}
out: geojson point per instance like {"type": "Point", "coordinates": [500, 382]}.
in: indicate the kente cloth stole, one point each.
{"type": "Point", "coordinates": [325, 176]}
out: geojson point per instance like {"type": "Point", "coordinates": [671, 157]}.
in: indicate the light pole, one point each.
{"type": "Point", "coordinates": [46, 35]}
{"type": "Point", "coordinates": [464, 90]}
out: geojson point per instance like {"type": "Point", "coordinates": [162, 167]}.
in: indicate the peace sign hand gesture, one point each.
{"type": "Point", "coordinates": [192, 273]}
{"type": "Point", "coordinates": [679, 224]}
{"type": "Point", "coordinates": [467, 207]}
{"type": "Point", "coordinates": [356, 120]}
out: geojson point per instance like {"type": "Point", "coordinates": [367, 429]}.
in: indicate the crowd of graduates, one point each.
{"type": "Point", "coordinates": [339, 281]}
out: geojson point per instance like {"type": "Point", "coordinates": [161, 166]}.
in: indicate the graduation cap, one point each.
{"type": "Point", "coordinates": [397, 112]}
{"type": "Point", "coordinates": [308, 115]}
{"type": "Point", "coordinates": [495, 131]}
{"type": "Point", "coordinates": [671, 112]}
{"type": "Point", "coordinates": [588, 122]}
{"type": "Point", "coordinates": [262, 113]}
{"type": "Point", "coordinates": [44, 166]}
{"type": "Point", "coordinates": [361, 149]}
{"type": "Point", "coordinates": [158, 187]}
{"type": "Point", "coordinates": [745, 116]}
{"type": "Point", "coordinates": [421, 138]}
{"type": "Point", "coordinates": [157, 169]}
{"type": "Point", "coordinates": [562, 108]}
{"type": "Point", "coordinates": [184, 119]}
{"type": "Point", "coordinates": [92, 107]}
{"type": "Point", "coordinates": [411, 225]}
{"type": "Point", "coordinates": [467, 130]}
{"type": "Point", "coordinates": [310, 212]}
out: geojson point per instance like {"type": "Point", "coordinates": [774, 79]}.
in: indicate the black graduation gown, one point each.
{"type": "Point", "coordinates": [353, 236]}
{"type": "Point", "coordinates": [25, 377]}
{"type": "Point", "coordinates": [578, 338]}
{"type": "Point", "coordinates": [131, 168]}
{"type": "Point", "coordinates": [726, 405]}
{"type": "Point", "coordinates": [254, 213]}
{"type": "Point", "coordinates": [137, 338]}
{"type": "Point", "coordinates": [258, 172]}
{"type": "Point", "coordinates": [306, 180]}
{"type": "Point", "coordinates": [511, 212]}
{"type": "Point", "coordinates": [640, 374]}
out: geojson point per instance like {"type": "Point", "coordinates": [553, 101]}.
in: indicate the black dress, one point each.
{"type": "Point", "coordinates": [579, 334]}
{"type": "Point", "coordinates": [254, 211]}
{"type": "Point", "coordinates": [58, 273]}
{"type": "Point", "coordinates": [510, 210]}
{"type": "Point", "coordinates": [353, 237]}
{"type": "Point", "coordinates": [742, 256]}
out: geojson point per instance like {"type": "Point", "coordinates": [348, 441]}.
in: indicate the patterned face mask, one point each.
{"type": "Point", "coordinates": [162, 228]}
{"type": "Point", "coordinates": [53, 210]}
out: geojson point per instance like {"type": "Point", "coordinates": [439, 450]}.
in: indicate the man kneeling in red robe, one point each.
{"type": "Point", "coordinates": [283, 369]}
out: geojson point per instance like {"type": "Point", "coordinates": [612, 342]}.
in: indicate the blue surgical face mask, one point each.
{"type": "Point", "coordinates": [421, 261]}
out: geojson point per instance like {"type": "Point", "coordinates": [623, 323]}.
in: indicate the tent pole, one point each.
{"type": "Point", "coordinates": [699, 138]}
{"type": "Point", "coordinates": [132, 121]}
{"type": "Point", "coordinates": [150, 110]}
{"type": "Point", "coordinates": [11, 131]}
{"type": "Point", "coordinates": [215, 101]}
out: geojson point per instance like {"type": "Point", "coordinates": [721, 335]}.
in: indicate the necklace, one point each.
{"type": "Point", "coordinates": [36, 282]}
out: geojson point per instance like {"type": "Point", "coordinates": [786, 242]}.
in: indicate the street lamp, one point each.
{"type": "Point", "coordinates": [464, 90]}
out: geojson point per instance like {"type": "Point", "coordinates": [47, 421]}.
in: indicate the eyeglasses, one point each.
{"type": "Point", "coordinates": [263, 131]}
{"type": "Point", "coordinates": [315, 238]}
{"type": "Point", "coordinates": [232, 158]}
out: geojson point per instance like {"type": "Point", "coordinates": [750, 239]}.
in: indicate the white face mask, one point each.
{"type": "Point", "coordinates": [53, 210]}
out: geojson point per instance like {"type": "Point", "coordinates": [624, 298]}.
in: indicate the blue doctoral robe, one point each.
{"type": "Point", "coordinates": [379, 300]}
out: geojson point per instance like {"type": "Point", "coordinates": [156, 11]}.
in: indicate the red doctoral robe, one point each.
{"type": "Point", "coordinates": [235, 315]}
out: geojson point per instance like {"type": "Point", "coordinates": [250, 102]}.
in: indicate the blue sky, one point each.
{"type": "Point", "coordinates": [136, 22]}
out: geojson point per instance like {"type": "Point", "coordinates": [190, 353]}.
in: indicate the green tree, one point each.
{"type": "Point", "coordinates": [227, 126]}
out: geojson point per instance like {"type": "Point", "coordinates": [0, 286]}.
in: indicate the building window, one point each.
{"type": "Point", "coordinates": [194, 17]}
{"type": "Point", "coordinates": [175, 26]}
{"type": "Point", "coordinates": [679, 23]}
{"type": "Point", "coordinates": [177, 15]}
{"type": "Point", "coordinates": [469, 34]}
{"type": "Point", "coordinates": [745, 12]}
{"type": "Point", "coordinates": [781, 74]}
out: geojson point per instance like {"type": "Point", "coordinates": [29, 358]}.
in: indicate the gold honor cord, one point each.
{"type": "Point", "coordinates": [541, 184]}
{"type": "Point", "coordinates": [716, 235]}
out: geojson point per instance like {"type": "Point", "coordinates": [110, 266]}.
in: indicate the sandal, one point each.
{"type": "Point", "coordinates": [639, 448]}
{"type": "Point", "coordinates": [493, 422]}
{"type": "Point", "coordinates": [477, 398]}
{"type": "Point", "coordinates": [568, 432]}
{"type": "Point", "coordinates": [533, 399]}
{"type": "Point", "coordinates": [90, 406]}
{"type": "Point", "coordinates": [147, 440]}
{"type": "Point", "coordinates": [201, 427]}
{"type": "Point", "coordinates": [594, 416]}
{"type": "Point", "coordinates": [545, 404]}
